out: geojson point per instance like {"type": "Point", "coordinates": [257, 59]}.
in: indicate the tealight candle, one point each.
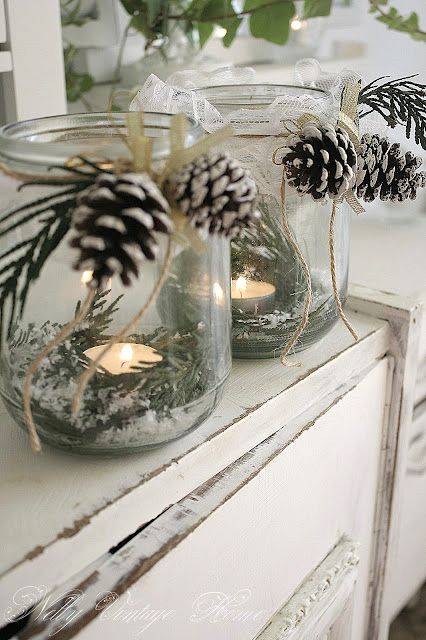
{"type": "Point", "coordinates": [122, 357]}
{"type": "Point", "coordinates": [252, 295]}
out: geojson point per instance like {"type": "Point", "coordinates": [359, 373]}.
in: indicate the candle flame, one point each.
{"type": "Point", "coordinates": [126, 353]}
{"type": "Point", "coordinates": [241, 284]}
{"type": "Point", "coordinates": [86, 277]}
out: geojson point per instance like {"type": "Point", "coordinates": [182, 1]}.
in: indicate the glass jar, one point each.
{"type": "Point", "coordinates": [269, 284]}
{"type": "Point", "coordinates": [181, 346]}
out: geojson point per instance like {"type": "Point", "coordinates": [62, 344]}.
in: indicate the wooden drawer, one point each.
{"type": "Point", "coordinates": [221, 562]}
{"type": "Point", "coordinates": [410, 566]}
{"type": "Point", "coordinates": [420, 388]}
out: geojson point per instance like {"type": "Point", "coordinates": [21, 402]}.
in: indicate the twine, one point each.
{"type": "Point", "coordinates": [88, 374]}
{"type": "Point", "coordinates": [333, 273]}
{"type": "Point", "coordinates": [32, 369]}
{"type": "Point", "coordinates": [308, 298]}
{"type": "Point", "coordinates": [141, 148]}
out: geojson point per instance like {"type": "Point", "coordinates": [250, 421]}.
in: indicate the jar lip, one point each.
{"type": "Point", "coordinates": [270, 90]}
{"type": "Point", "coordinates": [52, 140]}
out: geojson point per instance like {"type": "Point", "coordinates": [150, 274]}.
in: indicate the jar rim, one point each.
{"type": "Point", "coordinates": [53, 140]}
{"type": "Point", "coordinates": [255, 97]}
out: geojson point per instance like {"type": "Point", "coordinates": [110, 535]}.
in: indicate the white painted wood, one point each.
{"type": "Point", "coordinates": [320, 606]}
{"type": "Point", "coordinates": [255, 531]}
{"type": "Point", "coordinates": [409, 571]}
{"type": "Point", "coordinates": [36, 86]}
{"type": "Point", "coordinates": [75, 508]}
{"type": "Point", "coordinates": [105, 31]}
{"type": "Point", "coordinates": [2, 22]}
{"type": "Point", "coordinates": [391, 257]}
{"type": "Point", "coordinates": [5, 61]}
{"type": "Point", "coordinates": [404, 317]}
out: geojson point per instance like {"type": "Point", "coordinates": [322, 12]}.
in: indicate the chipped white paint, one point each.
{"type": "Point", "coordinates": [88, 504]}
{"type": "Point", "coordinates": [265, 501]}
{"type": "Point", "coordinates": [409, 566]}
{"type": "Point", "coordinates": [404, 317]}
{"type": "Point", "coordinates": [318, 604]}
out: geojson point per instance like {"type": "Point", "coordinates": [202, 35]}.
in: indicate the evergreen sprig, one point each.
{"type": "Point", "coordinates": [400, 102]}
{"type": "Point", "coordinates": [22, 263]}
{"type": "Point", "coordinates": [184, 375]}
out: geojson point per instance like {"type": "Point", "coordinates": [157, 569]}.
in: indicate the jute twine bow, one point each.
{"type": "Point", "coordinates": [347, 120]}
{"type": "Point", "coordinates": [141, 149]}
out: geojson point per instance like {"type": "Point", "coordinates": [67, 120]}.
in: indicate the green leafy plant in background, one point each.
{"type": "Point", "coordinates": [268, 19]}
{"type": "Point", "coordinates": [157, 21]}
{"type": "Point", "coordinates": [77, 84]}
{"type": "Point", "coordinates": [391, 17]}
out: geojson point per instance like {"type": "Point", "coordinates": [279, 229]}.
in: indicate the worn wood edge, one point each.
{"type": "Point", "coordinates": [416, 462]}
{"type": "Point", "coordinates": [404, 317]}
{"type": "Point", "coordinates": [334, 578]}
{"type": "Point", "coordinates": [166, 532]}
{"type": "Point", "coordinates": [364, 299]}
{"type": "Point", "coordinates": [158, 491]}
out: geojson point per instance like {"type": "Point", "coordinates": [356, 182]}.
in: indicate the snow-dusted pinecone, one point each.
{"type": "Point", "coordinates": [215, 192]}
{"type": "Point", "coordinates": [385, 172]}
{"type": "Point", "coordinates": [115, 220]}
{"type": "Point", "coordinates": [320, 161]}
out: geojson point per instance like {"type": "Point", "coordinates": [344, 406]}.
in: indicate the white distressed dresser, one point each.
{"type": "Point", "coordinates": [273, 520]}
{"type": "Point", "coordinates": [297, 511]}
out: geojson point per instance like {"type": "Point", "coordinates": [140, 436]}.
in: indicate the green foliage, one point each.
{"type": "Point", "coordinates": [400, 102]}
{"type": "Point", "coordinates": [184, 375]}
{"type": "Point", "coordinates": [72, 14]}
{"type": "Point", "coordinates": [270, 22]}
{"type": "Point", "coordinates": [316, 8]}
{"type": "Point", "coordinates": [149, 17]}
{"type": "Point", "coordinates": [22, 263]}
{"type": "Point", "coordinates": [76, 83]}
{"type": "Point", "coordinates": [205, 30]}
{"type": "Point", "coordinates": [394, 20]}
{"type": "Point", "coordinates": [212, 12]}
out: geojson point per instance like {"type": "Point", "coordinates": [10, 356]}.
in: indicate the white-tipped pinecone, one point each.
{"type": "Point", "coordinates": [320, 161]}
{"type": "Point", "coordinates": [215, 192]}
{"type": "Point", "coordinates": [115, 222]}
{"type": "Point", "coordinates": [385, 172]}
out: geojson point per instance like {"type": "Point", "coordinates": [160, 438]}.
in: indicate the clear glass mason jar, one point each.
{"type": "Point", "coordinates": [185, 335]}
{"type": "Point", "coordinates": [268, 281]}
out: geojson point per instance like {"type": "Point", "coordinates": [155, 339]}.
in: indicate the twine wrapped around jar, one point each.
{"type": "Point", "coordinates": [141, 161]}
{"type": "Point", "coordinates": [257, 131]}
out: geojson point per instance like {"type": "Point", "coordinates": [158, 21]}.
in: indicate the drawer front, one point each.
{"type": "Point", "coordinates": [410, 563]}
{"type": "Point", "coordinates": [420, 389]}
{"type": "Point", "coordinates": [221, 562]}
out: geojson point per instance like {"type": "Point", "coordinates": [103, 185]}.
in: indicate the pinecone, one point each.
{"type": "Point", "coordinates": [215, 192]}
{"type": "Point", "coordinates": [385, 172]}
{"type": "Point", "coordinates": [320, 161]}
{"type": "Point", "coordinates": [115, 219]}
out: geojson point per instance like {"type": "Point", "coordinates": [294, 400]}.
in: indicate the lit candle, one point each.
{"type": "Point", "coordinates": [122, 357]}
{"type": "Point", "coordinates": [252, 295]}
